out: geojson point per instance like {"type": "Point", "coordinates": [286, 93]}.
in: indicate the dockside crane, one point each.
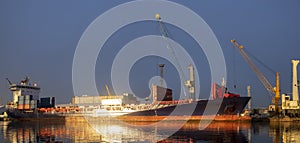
{"type": "Point", "coordinates": [260, 75]}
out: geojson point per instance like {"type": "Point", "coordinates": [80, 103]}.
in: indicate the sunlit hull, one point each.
{"type": "Point", "coordinates": [218, 109]}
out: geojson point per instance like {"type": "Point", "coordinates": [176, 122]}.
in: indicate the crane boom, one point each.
{"type": "Point", "coordinates": [261, 77]}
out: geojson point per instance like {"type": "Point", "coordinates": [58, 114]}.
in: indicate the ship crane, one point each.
{"type": "Point", "coordinates": [259, 74]}
{"type": "Point", "coordinates": [189, 83]}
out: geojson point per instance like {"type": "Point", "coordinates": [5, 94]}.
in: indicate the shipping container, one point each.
{"type": "Point", "coordinates": [28, 97]}
{"type": "Point", "coordinates": [33, 104]}
{"type": "Point", "coordinates": [26, 106]}
{"type": "Point", "coordinates": [161, 93]}
{"type": "Point", "coordinates": [20, 106]}
{"type": "Point", "coordinates": [21, 99]}
{"type": "Point", "coordinates": [21, 102]}
{"type": "Point", "coordinates": [92, 99]}
{"type": "Point", "coordinates": [27, 101]}
{"type": "Point", "coordinates": [47, 102]}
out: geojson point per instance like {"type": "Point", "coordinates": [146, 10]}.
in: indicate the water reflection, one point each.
{"type": "Point", "coordinates": [285, 132]}
{"type": "Point", "coordinates": [228, 132]}
{"type": "Point", "coordinates": [19, 132]}
{"type": "Point", "coordinates": [112, 131]}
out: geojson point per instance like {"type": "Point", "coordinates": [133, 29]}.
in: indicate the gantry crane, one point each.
{"type": "Point", "coordinates": [259, 74]}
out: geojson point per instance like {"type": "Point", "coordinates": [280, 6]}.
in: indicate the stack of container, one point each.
{"type": "Point", "coordinates": [47, 102]}
{"type": "Point", "coordinates": [25, 102]}
{"type": "Point", "coordinates": [20, 102]}
{"type": "Point", "coordinates": [33, 104]}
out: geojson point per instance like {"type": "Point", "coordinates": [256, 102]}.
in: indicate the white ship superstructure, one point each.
{"type": "Point", "coordinates": [24, 88]}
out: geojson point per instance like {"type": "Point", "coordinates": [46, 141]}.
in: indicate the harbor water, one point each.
{"type": "Point", "coordinates": [112, 131]}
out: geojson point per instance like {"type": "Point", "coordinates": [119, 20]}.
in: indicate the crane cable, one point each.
{"type": "Point", "coordinates": [234, 70]}
{"type": "Point", "coordinates": [261, 77]}
{"type": "Point", "coordinates": [260, 62]}
{"type": "Point", "coordinates": [264, 65]}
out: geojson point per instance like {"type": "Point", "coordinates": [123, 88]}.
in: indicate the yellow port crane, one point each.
{"type": "Point", "coordinates": [107, 89]}
{"type": "Point", "coordinates": [261, 77]}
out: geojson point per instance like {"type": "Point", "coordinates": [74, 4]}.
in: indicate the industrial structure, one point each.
{"type": "Point", "coordinates": [90, 100]}
{"type": "Point", "coordinates": [191, 83]}
{"type": "Point", "coordinates": [261, 77]}
{"type": "Point", "coordinates": [25, 96]}
{"type": "Point", "coordinates": [288, 106]}
{"type": "Point", "coordinates": [24, 88]}
{"type": "Point", "coordinates": [291, 106]}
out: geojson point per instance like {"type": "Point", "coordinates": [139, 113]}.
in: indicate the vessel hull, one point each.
{"type": "Point", "coordinates": [226, 106]}
{"type": "Point", "coordinates": [221, 109]}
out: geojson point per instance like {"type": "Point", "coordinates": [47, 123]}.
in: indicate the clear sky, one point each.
{"type": "Point", "coordinates": [39, 39]}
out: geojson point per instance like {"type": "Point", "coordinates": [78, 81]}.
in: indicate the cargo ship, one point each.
{"type": "Point", "coordinates": [222, 106]}
{"type": "Point", "coordinates": [26, 102]}
{"type": "Point", "coordinates": [227, 106]}
{"type": "Point", "coordinates": [27, 105]}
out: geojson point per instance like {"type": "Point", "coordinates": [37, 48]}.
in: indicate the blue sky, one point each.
{"type": "Point", "coordinates": [39, 39]}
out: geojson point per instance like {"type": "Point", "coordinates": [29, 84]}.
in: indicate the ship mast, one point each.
{"type": "Point", "coordinates": [249, 95]}
{"type": "Point", "coordinates": [191, 83]}
{"type": "Point", "coordinates": [165, 36]}
{"type": "Point", "coordinates": [161, 66]}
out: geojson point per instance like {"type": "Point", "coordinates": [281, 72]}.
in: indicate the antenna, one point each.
{"type": "Point", "coordinates": [25, 81]}
{"type": "Point", "coordinates": [249, 95]}
{"type": "Point", "coordinates": [9, 81]}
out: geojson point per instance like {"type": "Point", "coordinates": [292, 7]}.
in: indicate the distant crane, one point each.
{"type": "Point", "coordinates": [107, 89]}
{"type": "Point", "coordinates": [259, 74]}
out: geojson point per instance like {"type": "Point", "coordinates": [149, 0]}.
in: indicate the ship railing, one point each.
{"type": "Point", "coordinates": [173, 102]}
